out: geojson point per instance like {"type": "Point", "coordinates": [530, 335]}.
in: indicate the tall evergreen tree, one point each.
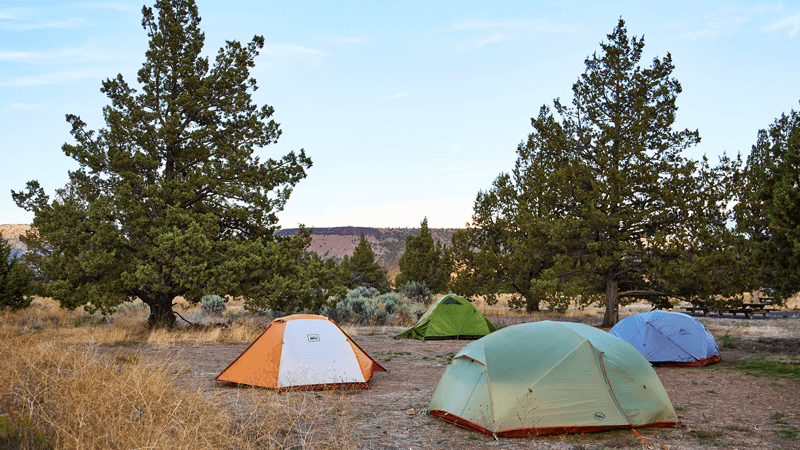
{"type": "Point", "coordinates": [602, 196]}
{"type": "Point", "coordinates": [768, 212]}
{"type": "Point", "coordinates": [169, 199]}
{"type": "Point", "coordinates": [425, 261]}
{"type": "Point", "coordinates": [362, 270]}
{"type": "Point", "coordinates": [15, 280]}
{"type": "Point", "coordinates": [510, 245]}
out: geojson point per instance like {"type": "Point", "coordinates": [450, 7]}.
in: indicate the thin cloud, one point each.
{"type": "Point", "coordinates": [6, 16]}
{"type": "Point", "coordinates": [108, 5]}
{"type": "Point", "coordinates": [71, 54]}
{"type": "Point", "coordinates": [72, 22]}
{"type": "Point", "coordinates": [276, 56]}
{"type": "Point", "coordinates": [541, 25]}
{"type": "Point", "coordinates": [291, 49]}
{"type": "Point", "coordinates": [396, 96]}
{"type": "Point", "coordinates": [725, 21]}
{"type": "Point", "coordinates": [350, 40]}
{"type": "Point", "coordinates": [792, 23]}
{"type": "Point", "coordinates": [26, 106]}
{"type": "Point", "coordinates": [706, 33]}
{"type": "Point", "coordinates": [486, 32]}
{"type": "Point", "coordinates": [59, 77]}
{"type": "Point", "coordinates": [493, 39]}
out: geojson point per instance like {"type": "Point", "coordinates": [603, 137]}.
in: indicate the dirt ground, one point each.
{"type": "Point", "coordinates": [719, 407]}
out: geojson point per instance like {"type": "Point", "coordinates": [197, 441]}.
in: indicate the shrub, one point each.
{"type": "Point", "coordinates": [91, 319]}
{"type": "Point", "coordinates": [21, 432]}
{"type": "Point", "coordinates": [417, 292]}
{"type": "Point", "coordinates": [365, 306]}
{"type": "Point", "coordinates": [363, 291]}
{"type": "Point", "coordinates": [212, 305]}
{"type": "Point", "coordinates": [726, 341]}
{"type": "Point", "coordinates": [132, 308]}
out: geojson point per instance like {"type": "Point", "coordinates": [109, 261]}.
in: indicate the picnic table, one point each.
{"type": "Point", "coordinates": [752, 308]}
{"type": "Point", "coordinates": [698, 305]}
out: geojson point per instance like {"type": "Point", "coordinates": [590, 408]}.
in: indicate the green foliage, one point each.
{"type": "Point", "coordinates": [425, 262]}
{"type": "Point", "coordinates": [726, 341]}
{"type": "Point", "coordinates": [791, 433]}
{"type": "Point", "coordinates": [286, 278]}
{"type": "Point", "coordinates": [601, 200]}
{"type": "Point", "coordinates": [768, 212]}
{"type": "Point", "coordinates": [169, 199]}
{"type": "Point", "coordinates": [417, 292]}
{"type": "Point", "coordinates": [212, 305]}
{"type": "Point", "coordinates": [772, 367]}
{"type": "Point", "coordinates": [368, 306]}
{"type": "Point", "coordinates": [505, 251]}
{"type": "Point", "coordinates": [361, 270]}
{"type": "Point", "coordinates": [15, 280]}
{"type": "Point", "coordinates": [22, 433]}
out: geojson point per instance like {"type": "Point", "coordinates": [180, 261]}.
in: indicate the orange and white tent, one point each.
{"type": "Point", "coordinates": [302, 351]}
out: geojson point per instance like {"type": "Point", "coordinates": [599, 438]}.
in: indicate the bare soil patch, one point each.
{"type": "Point", "coordinates": [719, 406]}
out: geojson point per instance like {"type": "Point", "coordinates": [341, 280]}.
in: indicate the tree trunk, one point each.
{"type": "Point", "coordinates": [531, 304]}
{"type": "Point", "coordinates": [612, 304]}
{"type": "Point", "coordinates": [161, 314]}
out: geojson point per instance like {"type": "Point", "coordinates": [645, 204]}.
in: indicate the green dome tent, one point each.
{"type": "Point", "coordinates": [450, 317]}
{"type": "Point", "coordinates": [550, 378]}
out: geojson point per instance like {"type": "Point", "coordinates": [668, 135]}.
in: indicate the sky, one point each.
{"type": "Point", "coordinates": [407, 108]}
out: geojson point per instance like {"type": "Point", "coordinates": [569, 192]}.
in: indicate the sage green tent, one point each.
{"type": "Point", "coordinates": [550, 378]}
{"type": "Point", "coordinates": [450, 317]}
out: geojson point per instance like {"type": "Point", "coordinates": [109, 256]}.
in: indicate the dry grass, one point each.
{"type": "Point", "coordinates": [793, 303]}
{"type": "Point", "coordinates": [124, 327]}
{"type": "Point", "coordinates": [54, 374]}
{"type": "Point", "coordinates": [238, 331]}
{"type": "Point", "coordinates": [80, 400]}
{"type": "Point", "coordinates": [295, 419]}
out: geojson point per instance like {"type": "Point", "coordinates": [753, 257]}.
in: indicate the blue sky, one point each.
{"type": "Point", "coordinates": [408, 108]}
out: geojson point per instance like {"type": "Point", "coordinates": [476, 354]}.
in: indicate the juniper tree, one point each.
{"type": "Point", "coordinates": [362, 270]}
{"type": "Point", "coordinates": [768, 212]}
{"type": "Point", "coordinates": [170, 198]}
{"type": "Point", "coordinates": [15, 280]}
{"type": "Point", "coordinates": [601, 194]}
{"type": "Point", "coordinates": [425, 261]}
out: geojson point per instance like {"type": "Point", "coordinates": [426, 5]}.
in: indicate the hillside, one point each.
{"type": "Point", "coordinates": [11, 233]}
{"type": "Point", "coordinates": [387, 243]}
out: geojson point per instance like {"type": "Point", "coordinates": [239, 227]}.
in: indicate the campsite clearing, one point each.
{"type": "Point", "coordinates": [721, 406]}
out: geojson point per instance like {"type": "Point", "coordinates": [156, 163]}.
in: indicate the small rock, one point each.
{"type": "Point", "coordinates": [410, 411]}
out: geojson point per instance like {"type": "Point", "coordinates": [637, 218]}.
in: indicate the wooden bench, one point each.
{"type": "Point", "coordinates": [749, 312]}
{"type": "Point", "coordinates": [692, 309]}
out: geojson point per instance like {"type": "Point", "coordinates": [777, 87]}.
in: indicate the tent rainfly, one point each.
{"type": "Point", "coordinates": [550, 378]}
{"type": "Point", "coordinates": [669, 338]}
{"type": "Point", "coordinates": [302, 351]}
{"type": "Point", "coordinates": [450, 317]}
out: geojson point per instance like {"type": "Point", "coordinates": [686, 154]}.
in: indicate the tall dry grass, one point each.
{"type": "Point", "coordinates": [80, 400]}
{"type": "Point", "coordinates": [56, 374]}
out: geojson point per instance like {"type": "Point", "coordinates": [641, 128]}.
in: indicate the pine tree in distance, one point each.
{"type": "Point", "coordinates": [425, 261]}
{"type": "Point", "coordinates": [362, 270]}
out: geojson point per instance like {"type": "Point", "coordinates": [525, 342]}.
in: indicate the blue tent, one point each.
{"type": "Point", "coordinates": [669, 337]}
